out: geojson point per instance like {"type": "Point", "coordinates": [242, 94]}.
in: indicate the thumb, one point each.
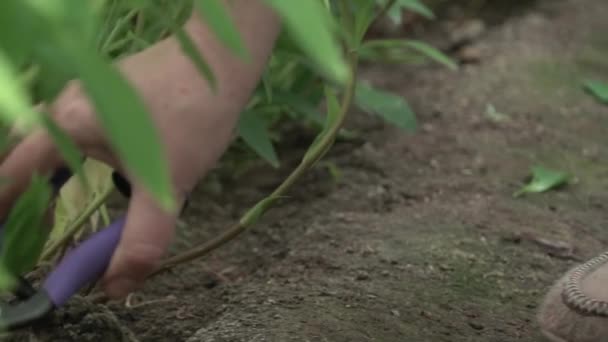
{"type": "Point", "coordinates": [145, 238]}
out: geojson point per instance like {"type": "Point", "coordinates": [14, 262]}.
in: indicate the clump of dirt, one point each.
{"type": "Point", "coordinates": [79, 320]}
{"type": "Point", "coordinates": [420, 239]}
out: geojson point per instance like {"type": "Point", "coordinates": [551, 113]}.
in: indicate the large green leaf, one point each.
{"type": "Point", "coordinates": [67, 147]}
{"type": "Point", "coordinates": [14, 104]}
{"type": "Point", "coordinates": [199, 61]}
{"type": "Point", "coordinates": [24, 233]}
{"type": "Point", "coordinates": [432, 53]}
{"type": "Point", "coordinates": [312, 27]}
{"type": "Point", "coordinates": [391, 107]}
{"type": "Point", "coordinates": [253, 131]}
{"type": "Point", "coordinates": [127, 123]}
{"type": "Point", "coordinates": [218, 19]}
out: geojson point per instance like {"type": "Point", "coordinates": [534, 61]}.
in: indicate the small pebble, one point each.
{"type": "Point", "coordinates": [362, 276]}
{"type": "Point", "coordinates": [396, 313]}
{"type": "Point", "coordinates": [476, 326]}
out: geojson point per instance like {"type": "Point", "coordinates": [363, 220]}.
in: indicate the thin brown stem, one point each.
{"type": "Point", "coordinates": [239, 227]}
{"type": "Point", "coordinates": [76, 225]}
{"type": "Point", "coordinates": [281, 190]}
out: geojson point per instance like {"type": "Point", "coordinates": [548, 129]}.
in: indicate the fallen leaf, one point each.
{"type": "Point", "coordinates": [542, 180]}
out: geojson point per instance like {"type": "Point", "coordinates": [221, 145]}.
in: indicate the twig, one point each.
{"type": "Point", "coordinates": [75, 227]}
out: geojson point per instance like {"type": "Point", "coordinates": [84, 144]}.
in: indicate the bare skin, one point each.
{"type": "Point", "coordinates": [195, 125]}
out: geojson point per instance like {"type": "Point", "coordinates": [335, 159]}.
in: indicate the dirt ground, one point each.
{"type": "Point", "coordinates": [421, 238]}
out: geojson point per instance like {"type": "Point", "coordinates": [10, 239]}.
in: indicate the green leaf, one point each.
{"type": "Point", "coordinates": [364, 16]}
{"type": "Point", "coordinates": [68, 149]}
{"type": "Point", "coordinates": [190, 49]}
{"type": "Point", "coordinates": [542, 180]}
{"type": "Point", "coordinates": [267, 84]}
{"type": "Point", "coordinates": [417, 7]}
{"type": "Point", "coordinates": [598, 89]}
{"type": "Point", "coordinates": [404, 51]}
{"type": "Point", "coordinates": [253, 131]}
{"type": "Point", "coordinates": [24, 232]}
{"type": "Point", "coordinates": [127, 122]}
{"type": "Point", "coordinates": [391, 107]}
{"type": "Point", "coordinates": [14, 104]}
{"type": "Point", "coordinates": [299, 104]}
{"type": "Point", "coordinates": [311, 26]}
{"type": "Point", "coordinates": [8, 282]}
{"type": "Point", "coordinates": [432, 53]}
{"type": "Point", "coordinates": [220, 22]}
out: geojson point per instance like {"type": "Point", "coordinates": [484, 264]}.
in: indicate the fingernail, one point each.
{"type": "Point", "coordinates": [120, 287]}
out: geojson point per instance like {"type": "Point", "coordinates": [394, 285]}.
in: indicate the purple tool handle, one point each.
{"type": "Point", "coordinates": [84, 264]}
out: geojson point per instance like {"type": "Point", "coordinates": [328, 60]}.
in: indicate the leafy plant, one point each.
{"type": "Point", "coordinates": [315, 61]}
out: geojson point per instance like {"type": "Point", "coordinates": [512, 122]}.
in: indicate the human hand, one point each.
{"type": "Point", "coordinates": [195, 126]}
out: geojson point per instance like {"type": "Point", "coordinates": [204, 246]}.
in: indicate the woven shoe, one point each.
{"type": "Point", "coordinates": [576, 308]}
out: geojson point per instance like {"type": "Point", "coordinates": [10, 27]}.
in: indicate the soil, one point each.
{"type": "Point", "coordinates": [420, 238]}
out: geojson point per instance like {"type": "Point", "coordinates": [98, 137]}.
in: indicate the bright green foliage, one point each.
{"type": "Point", "coordinates": [542, 180]}
{"type": "Point", "coordinates": [217, 17]}
{"type": "Point", "coordinates": [598, 89]}
{"type": "Point", "coordinates": [252, 129]}
{"type": "Point", "coordinates": [415, 6]}
{"type": "Point", "coordinates": [431, 53]}
{"type": "Point", "coordinates": [391, 107]}
{"type": "Point", "coordinates": [14, 106]}
{"type": "Point", "coordinates": [403, 51]}
{"type": "Point", "coordinates": [70, 152]}
{"type": "Point", "coordinates": [312, 27]}
{"type": "Point", "coordinates": [25, 233]}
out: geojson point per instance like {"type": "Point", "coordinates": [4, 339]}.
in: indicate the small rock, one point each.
{"type": "Point", "coordinates": [476, 325]}
{"type": "Point", "coordinates": [396, 313]}
{"type": "Point", "coordinates": [470, 54]}
{"type": "Point", "coordinates": [362, 275]}
{"type": "Point", "coordinates": [467, 32]}
{"type": "Point", "coordinates": [385, 273]}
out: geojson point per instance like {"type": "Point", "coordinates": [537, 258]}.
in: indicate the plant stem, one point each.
{"type": "Point", "coordinates": [75, 227]}
{"type": "Point", "coordinates": [249, 217]}
{"type": "Point", "coordinates": [325, 142]}
{"type": "Point", "coordinates": [389, 4]}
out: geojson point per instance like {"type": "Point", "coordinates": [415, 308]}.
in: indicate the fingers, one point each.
{"type": "Point", "coordinates": [146, 236]}
{"type": "Point", "coordinates": [36, 154]}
